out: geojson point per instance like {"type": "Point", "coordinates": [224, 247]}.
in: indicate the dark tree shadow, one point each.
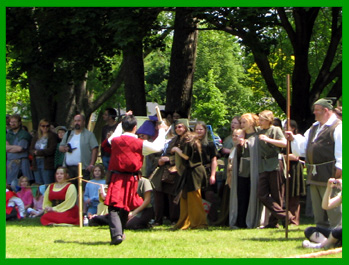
{"type": "Point", "coordinates": [94, 243]}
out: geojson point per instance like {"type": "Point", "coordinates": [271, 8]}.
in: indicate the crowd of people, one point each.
{"type": "Point", "coordinates": [164, 170]}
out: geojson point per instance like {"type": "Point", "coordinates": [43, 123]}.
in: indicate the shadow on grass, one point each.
{"type": "Point", "coordinates": [165, 228]}
{"type": "Point", "coordinates": [162, 228]}
{"type": "Point", "coordinates": [25, 222]}
{"type": "Point", "coordinates": [34, 222]}
{"type": "Point", "coordinates": [281, 229]}
{"type": "Point", "coordinates": [83, 243]}
{"type": "Point", "coordinates": [305, 220]}
{"type": "Point", "coordinates": [282, 234]}
{"type": "Point", "coordinates": [262, 239]}
{"type": "Point", "coordinates": [102, 227]}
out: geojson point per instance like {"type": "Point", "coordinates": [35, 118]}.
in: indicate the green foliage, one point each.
{"type": "Point", "coordinates": [17, 100]}
{"type": "Point", "coordinates": [98, 82]}
{"type": "Point", "coordinates": [219, 67]}
{"type": "Point", "coordinates": [72, 41]}
{"type": "Point", "coordinates": [319, 45]}
{"type": "Point", "coordinates": [295, 31]}
{"type": "Point", "coordinates": [281, 63]}
{"type": "Point", "coordinates": [68, 47]}
{"type": "Point", "coordinates": [243, 22]}
{"type": "Point", "coordinates": [82, 38]}
{"type": "Point", "coordinates": [209, 101]}
{"type": "Point", "coordinates": [59, 46]}
{"type": "Point", "coordinates": [156, 66]}
{"type": "Point", "coordinates": [130, 24]}
{"type": "Point", "coordinates": [157, 62]}
{"type": "Point", "coordinates": [17, 95]}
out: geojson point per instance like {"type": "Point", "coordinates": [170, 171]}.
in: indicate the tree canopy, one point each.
{"type": "Point", "coordinates": [234, 59]}
{"type": "Point", "coordinates": [261, 30]}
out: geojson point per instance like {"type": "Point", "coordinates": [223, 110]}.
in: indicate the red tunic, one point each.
{"type": "Point", "coordinates": [70, 216]}
{"type": "Point", "coordinates": [126, 156]}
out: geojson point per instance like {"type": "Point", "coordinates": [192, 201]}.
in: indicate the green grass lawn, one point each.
{"type": "Point", "coordinates": [29, 239]}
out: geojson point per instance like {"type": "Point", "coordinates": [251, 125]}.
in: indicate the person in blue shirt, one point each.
{"type": "Point", "coordinates": [91, 195]}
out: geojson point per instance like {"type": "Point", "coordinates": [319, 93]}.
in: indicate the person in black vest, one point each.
{"type": "Point", "coordinates": [322, 148]}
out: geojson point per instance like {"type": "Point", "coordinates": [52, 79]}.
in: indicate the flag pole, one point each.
{"type": "Point", "coordinates": [288, 127]}
{"type": "Point", "coordinates": [80, 194]}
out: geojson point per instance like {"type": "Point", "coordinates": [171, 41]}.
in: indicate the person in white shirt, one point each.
{"type": "Point", "coordinates": [79, 145]}
{"type": "Point", "coordinates": [321, 145]}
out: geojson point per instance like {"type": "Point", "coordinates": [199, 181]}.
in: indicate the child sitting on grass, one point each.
{"type": "Point", "coordinates": [101, 218]}
{"type": "Point", "coordinates": [91, 195]}
{"type": "Point", "coordinates": [37, 209]}
{"type": "Point", "coordinates": [25, 193]}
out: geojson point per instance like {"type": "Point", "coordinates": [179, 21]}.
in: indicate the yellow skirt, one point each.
{"type": "Point", "coordinates": [192, 212]}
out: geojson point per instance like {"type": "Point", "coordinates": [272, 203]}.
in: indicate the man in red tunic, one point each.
{"type": "Point", "coordinates": [127, 152]}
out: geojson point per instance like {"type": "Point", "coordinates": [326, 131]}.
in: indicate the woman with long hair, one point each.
{"type": "Point", "coordinates": [245, 207]}
{"type": "Point", "coordinates": [209, 161]}
{"type": "Point", "coordinates": [166, 180]}
{"type": "Point", "coordinates": [43, 147]}
{"type": "Point", "coordinates": [192, 212]}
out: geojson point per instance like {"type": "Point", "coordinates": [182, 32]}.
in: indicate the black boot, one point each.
{"type": "Point", "coordinates": [116, 240]}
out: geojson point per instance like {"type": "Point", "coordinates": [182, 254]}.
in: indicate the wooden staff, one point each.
{"type": "Point", "coordinates": [288, 127]}
{"type": "Point", "coordinates": [158, 114]}
{"type": "Point", "coordinates": [80, 194]}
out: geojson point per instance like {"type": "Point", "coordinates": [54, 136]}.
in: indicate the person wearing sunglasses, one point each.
{"type": "Point", "coordinates": [42, 148]}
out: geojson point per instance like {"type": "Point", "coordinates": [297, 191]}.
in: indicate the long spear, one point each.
{"type": "Point", "coordinates": [288, 127]}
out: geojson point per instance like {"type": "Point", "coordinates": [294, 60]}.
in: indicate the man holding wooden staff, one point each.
{"type": "Point", "coordinates": [125, 162]}
{"type": "Point", "coordinates": [322, 148]}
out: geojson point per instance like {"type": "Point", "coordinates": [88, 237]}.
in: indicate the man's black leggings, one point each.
{"type": "Point", "coordinates": [117, 221]}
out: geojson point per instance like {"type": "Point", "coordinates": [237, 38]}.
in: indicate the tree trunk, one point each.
{"type": "Point", "coordinates": [41, 95]}
{"type": "Point", "coordinates": [65, 109]}
{"type": "Point", "coordinates": [55, 101]}
{"type": "Point", "coordinates": [134, 78]}
{"type": "Point", "coordinates": [300, 103]}
{"type": "Point", "coordinates": [182, 66]}
{"type": "Point", "coordinates": [301, 110]}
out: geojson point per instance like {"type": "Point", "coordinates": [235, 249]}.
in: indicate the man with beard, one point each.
{"type": "Point", "coordinates": [321, 146]}
{"type": "Point", "coordinates": [79, 145]}
{"type": "Point", "coordinates": [17, 145]}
